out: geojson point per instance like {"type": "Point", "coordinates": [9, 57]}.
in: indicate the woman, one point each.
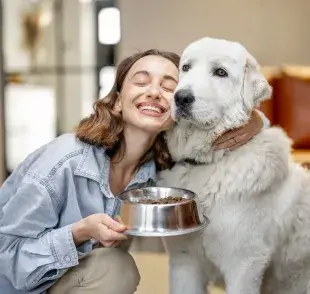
{"type": "Point", "coordinates": [58, 205]}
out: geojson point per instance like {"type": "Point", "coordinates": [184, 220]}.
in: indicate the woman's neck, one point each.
{"type": "Point", "coordinates": [123, 166]}
{"type": "Point", "coordinates": [137, 144]}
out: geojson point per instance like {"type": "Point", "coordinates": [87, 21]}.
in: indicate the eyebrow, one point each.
{"type": "Point", "coordinates": [144, 72]}
{"type": "Point", "coordinates": [167, 77]}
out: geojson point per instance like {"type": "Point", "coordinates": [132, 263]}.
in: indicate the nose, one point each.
{"type": "Point", "coordinates": [184, 98]}
{"type": "Point", "coordinates": [153, 93]}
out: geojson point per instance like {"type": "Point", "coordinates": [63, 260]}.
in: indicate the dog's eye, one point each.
{"type": "Point", "coordinates": [186, 67]}
{"type": "Point", "coordinates": [220, 72]}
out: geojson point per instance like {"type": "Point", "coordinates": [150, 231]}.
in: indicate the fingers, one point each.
{"type": "Point", "coordinates": [236, 141]}
{"type": "Point", "coordinates": [225, 145]}
{"type": "Point", "coordinates": [113, 224]}
{"type": "Point", "coordinates": [111, 244]}
{"type": "Point", "coordinates": [116, 244]}
{"type": "Point", "coordinates": [257, 116]}
{"type": "Point", "coordinates": [107, 236]}
{"type": "Point", "coordinates": [108, 244]}
{"type": "Point", "coordinates": [233, 141]}
{"type": "Point", "coordinates": [255, 123]}
{"type": "Point", "coordinates": [235, 138]}
{"type": "Point", "coordinates": [228, 136]}
{"type": "Point", "coordinates": [237, 145]}
{"type": "Point", "coordinates": [118, 219]}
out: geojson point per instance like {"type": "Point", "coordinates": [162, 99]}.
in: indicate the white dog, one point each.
{"type": "Point", "coordinates": [257, 199]}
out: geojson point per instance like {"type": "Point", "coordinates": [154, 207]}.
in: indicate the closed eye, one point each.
{"type": "Point", "coordinates": [141, 78]}
{"type": "Point", "coordinates": [168, 89]}
{"type": "Point", "coordinates": [141, 84]}
{"type": "Point", "coordinates": [169, 85]}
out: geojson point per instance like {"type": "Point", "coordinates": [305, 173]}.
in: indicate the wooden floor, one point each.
{"type": "Point", "coordinates": [154, 273]}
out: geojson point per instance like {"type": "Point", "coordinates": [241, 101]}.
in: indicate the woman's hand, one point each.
{"type": "Point", "coordinates": [235, 138]}
{"type": "Point", "coordinates": [100, 227]}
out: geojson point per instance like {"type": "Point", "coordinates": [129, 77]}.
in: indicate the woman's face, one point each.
{"type": "Point", "coordinates": [147, 93]}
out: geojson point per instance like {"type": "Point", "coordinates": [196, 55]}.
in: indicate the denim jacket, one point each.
{"type": "Point", "coordinates": [54, 187]}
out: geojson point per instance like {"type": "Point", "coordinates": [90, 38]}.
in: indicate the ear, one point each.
{"type": "Point", "coordinates": [118, 103]}
{"type": "Point", "coordinates": [255, 86]}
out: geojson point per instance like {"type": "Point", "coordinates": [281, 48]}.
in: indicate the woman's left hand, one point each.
{"type": "Point", "coordinates": [235, 138]}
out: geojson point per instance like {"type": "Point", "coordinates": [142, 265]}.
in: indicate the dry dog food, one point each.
{"type": "Point", "coordinates": [168, 200]}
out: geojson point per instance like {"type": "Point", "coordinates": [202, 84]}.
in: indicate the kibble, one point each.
{"type": "Point", "coordinates": [167, 200]}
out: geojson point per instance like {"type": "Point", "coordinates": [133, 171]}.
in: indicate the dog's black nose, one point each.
{"type": "Point", "coordinates": [184, 98]}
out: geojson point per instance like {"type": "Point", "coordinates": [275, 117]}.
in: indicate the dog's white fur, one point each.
{"type": "Point", "coordinates": [257, 199]}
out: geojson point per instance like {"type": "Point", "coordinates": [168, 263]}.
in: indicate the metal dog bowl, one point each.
{"type": "Point", "coordinates": [159, 220]}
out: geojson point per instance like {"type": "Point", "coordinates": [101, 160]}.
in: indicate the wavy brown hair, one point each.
{"type": "Point", "coordinates": [105, 127]}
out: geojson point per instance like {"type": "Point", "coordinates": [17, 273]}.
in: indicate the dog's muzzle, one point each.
{"type": "Point", "coordinates": [184, 100]}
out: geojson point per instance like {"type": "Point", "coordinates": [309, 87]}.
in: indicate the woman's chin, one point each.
{"type": "Point", "coordinates": [151, 124]}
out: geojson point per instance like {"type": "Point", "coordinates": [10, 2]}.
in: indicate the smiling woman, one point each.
{"type": "Point", "coordinates": [139, 103]}
{"type": "Point", "coordinates": [59, 223]}
{"type": "Point", "coordinates": [65, 202]}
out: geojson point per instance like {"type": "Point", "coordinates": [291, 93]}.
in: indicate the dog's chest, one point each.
{"type": "Point", "coordinates": [218, 204]}
{"type": "Point", "coordinates": [215, 198]}
{"type": "Point", "coordinates": [204, 180]}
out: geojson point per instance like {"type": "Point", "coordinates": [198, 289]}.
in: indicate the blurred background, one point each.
{"type": "Point", "coordinates": [58, 56]}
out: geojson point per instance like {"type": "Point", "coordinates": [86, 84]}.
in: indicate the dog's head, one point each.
{"type": "Point", "coordinates": [220, 83]}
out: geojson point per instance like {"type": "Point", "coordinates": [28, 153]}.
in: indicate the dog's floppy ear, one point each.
{"type": "Point", "coordinates": [255, 85]}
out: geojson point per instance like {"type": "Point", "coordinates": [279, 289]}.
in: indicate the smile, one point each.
{"type": "Point", "coordinates": [151, 109]}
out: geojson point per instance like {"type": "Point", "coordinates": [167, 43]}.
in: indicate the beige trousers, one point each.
{"type": "Point", "coordinates": [103, 271]}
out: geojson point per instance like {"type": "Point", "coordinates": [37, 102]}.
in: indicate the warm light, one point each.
{"type": "Point", "coordinates": [46, 19]}
{"type": "Point", "coordinates": [106, 80]}
{"type": "Point", "coordinates": [109, 27]}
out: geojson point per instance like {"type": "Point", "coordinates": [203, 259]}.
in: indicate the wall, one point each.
{"type": "Point", "coordinates": [274, 31]}
{"type": "Point", "coordinates": [78, 90]}
{"type": "Point", "coordinates": [74, 90]}
{"type": "Point", "coordinates": [15, 56]}
{"type": "Point", "coordinates": [2, 159]}
{"type": "Point", "coordinates": [2, 171]}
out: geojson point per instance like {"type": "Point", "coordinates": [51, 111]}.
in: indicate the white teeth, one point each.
{"type": "Point", "coordinates": [149, 107]}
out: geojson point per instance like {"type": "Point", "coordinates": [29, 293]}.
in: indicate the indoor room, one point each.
{"type": "Point", "coordinates": [58, 57]}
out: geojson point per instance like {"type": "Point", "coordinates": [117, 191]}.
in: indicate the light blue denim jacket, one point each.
{"type": "Point", "coordinates": [56, 186]}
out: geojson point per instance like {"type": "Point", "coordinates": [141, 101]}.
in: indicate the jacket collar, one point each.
{"type": "Point", "coordinates": [95, 165]}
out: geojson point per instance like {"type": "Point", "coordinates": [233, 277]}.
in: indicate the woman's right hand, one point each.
{"type": "Point", "coordinates": [100, 227]}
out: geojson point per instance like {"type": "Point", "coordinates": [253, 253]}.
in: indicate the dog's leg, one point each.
{"type": "Point", "coordinates": [246, 276]}
{"type": "Point", "coordinates": [186, 265]}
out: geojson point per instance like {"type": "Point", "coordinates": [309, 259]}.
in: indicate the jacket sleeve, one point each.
{"type": "Point", "coordinates": [32, 253]}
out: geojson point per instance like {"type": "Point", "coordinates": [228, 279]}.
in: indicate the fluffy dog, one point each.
{"type": "Point", "coordinates": [257, 199]}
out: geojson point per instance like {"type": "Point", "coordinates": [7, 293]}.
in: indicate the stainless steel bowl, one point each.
{"type": "Point", "coordinates": [160, 220]}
